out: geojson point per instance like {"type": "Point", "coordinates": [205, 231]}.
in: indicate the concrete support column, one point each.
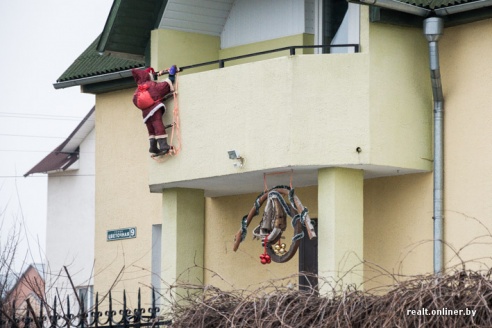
{"type": "Point", "coordinates": [340, 224]}
{"type": "Point", "coordinates": [182, 236]}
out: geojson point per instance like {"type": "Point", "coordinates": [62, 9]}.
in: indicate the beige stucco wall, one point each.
{"type": "Point", "coordinates": [341, 227]}
{"type": "Point", "coordinates": [293, 40]}
{"type": "Point", "coordinates": [242, 269]}
{"type": "Point", "coordinates": [241, 103]}
{"type": "Point", "coordinates": [171, 47]}
{"type": "Point", "coordinates": [398, 227]}
{"type": "Point", "coordinates": [466, 78]}
{"type": "Point", "coordinates": [185, 48]}
{"type": "Point", "coordinates": [122, 195]}
{"type": "Point", "coordinates": [400, 208]}
{"type": "Point", "coordinates": [400, 96]}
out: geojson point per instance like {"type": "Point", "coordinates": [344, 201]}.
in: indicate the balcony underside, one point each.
{"type": "Point", "coordinates": [254, 182]}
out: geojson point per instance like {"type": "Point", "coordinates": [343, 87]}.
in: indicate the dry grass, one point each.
{"type": "Point", "coordinates": [207, 306]}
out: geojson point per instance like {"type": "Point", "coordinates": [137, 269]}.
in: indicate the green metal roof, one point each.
{"type": "Point", "coordinates": [127, 29]}
{"type": "Point", "coordinates": [90, 63]}
{"type": "Point", "coordinates": [123, 45]}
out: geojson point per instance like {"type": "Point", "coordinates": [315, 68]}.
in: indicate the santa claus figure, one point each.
{"type": "Point", "coordinates": [149, 97]}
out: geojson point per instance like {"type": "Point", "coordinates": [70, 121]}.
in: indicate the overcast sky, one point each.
{"type": "Point", "coordinates": [38, 42]}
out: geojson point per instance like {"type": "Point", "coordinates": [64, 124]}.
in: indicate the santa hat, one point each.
{"type": "Point", "coordinates": [153, 75]}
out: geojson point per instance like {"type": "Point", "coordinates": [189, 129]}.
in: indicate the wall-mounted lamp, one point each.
{"type": "Point", "coordinates": [234, 155]}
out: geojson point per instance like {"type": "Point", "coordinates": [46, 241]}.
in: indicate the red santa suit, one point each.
{"type": "Point", "coordinates": [152, 115]}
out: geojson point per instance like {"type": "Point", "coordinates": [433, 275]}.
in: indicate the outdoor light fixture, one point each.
{"type": "Point", "coordinates": [234, 155]}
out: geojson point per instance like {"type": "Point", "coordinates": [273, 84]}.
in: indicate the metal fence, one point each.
{"type": "Point", "coordinates": [291, 49]}
{"type": "Point", "coordinates": [57, 316]}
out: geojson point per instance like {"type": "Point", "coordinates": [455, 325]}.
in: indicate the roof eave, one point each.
{"type": "Point", "coordinates": [462, 7]}
{"type": "Point", "coordinates": [69, 154]}
{"type": "Point", "coordinates": [93, 79]}
{"type": "Point", "coordinates": [396, 6]}
{"type": "Point", "coordinates": [392, 12]}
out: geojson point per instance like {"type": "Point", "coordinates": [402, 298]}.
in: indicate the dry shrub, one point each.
{"type": "Point", "coordinates": [207, 306]}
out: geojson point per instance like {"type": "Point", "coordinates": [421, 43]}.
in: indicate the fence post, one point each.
{"type": "Point", "coordinates": [153, 311]}
{"type": "Point", "coordinates": [53, 317]}
{"type": "Point", "coordinates": [137, 313]}
{"type": "Point", "coordinates": [82, 314]}
{"type": "Point", "coordinates": [97, 314]}
{"type": "Point", "coordinates": [68, 315]}
{"type": "Point", "coordinates": [40, 319]}
{"type": "Point", "coordinates": [27, 319]}
{"type": "Point", "coordinates": [124, 312]}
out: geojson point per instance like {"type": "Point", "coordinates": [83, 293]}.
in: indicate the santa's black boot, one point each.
{"type": "Point", "coordinates": [163, 146]}
{"type": "Point", "coordinates": [153, 146]}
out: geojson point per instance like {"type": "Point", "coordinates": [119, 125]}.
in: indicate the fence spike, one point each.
{"type": "Point", "coordinates": [125, 316]}
{"type": "Point", "coordinates": [82, 314]}
{"type": "Point", "coordinates": [139, 305]}
{"type": "Point", "coordinates": [138, 311]}
{"type": "Point", "coordinates": [82, 303]}
{"type": "Point", "coordinates": [13, 312]}
{"type": "Point", "coordinates": [68, 306]}
{"type": "Point", "coordinates": [41, 311]}
{"type": "Point", "coordinates": [110, 313]}
{"type": "Point", "coordinates": [53, 316]}
{"type": "Point", "coordinates": [154, 309]}
{"type": "Point", "coordinates": [96, 311]}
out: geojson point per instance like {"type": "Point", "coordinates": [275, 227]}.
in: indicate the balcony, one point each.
{"type": "Point", "coordinates": [297, 113]}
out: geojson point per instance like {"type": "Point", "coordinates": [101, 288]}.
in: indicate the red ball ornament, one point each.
{"type": "Point", "coordinates": [264, 261]}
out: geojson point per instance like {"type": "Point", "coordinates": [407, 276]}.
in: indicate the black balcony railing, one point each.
{"type": "Point", "coordinates": [58, 316]}
{"type": "Point", "coordinates": [290, 49]}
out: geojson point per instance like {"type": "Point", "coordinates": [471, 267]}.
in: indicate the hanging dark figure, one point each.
{"type": "Point", "coordinates": [148, 97]}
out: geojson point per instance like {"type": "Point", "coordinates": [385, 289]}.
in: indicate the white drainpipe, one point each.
{"type": "Point", "coordinates": [433, 28]}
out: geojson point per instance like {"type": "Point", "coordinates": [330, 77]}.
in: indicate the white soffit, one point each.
{"type": "Point", "coordinates": [204, 16]}
{"type": "Point", "coordinates": [80, 134]}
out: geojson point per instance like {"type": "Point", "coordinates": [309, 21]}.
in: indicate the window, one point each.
{"type": "Point", "coordinates": [85, 295]}
{"type": "Point", "coordinates": [333, 12]}
{"type": "Point", "coordinates": [336, 23]}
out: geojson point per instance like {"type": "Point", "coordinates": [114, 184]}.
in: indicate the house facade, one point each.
{"type": "Point", "coordinates": [348, 125]}
{"type": "Point", "coordinates": [70, 222]}
{"type": "Point", "coordinates": [24, 292]}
